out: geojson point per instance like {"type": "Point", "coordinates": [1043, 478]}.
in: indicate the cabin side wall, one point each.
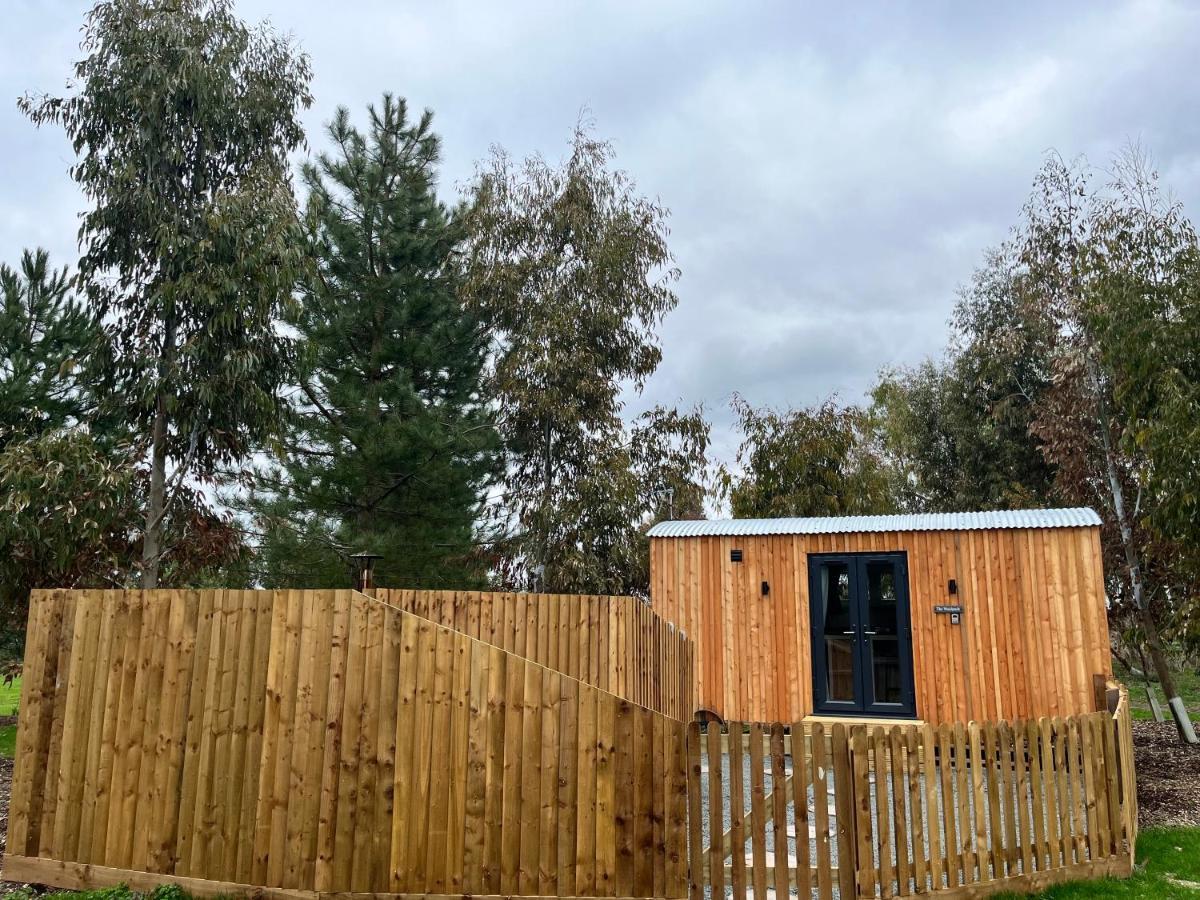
{"type": "Point", "coordinates": [1033, 633]}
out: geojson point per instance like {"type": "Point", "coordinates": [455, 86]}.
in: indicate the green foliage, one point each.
{"type": "Point", "coordinates": [10, 695]}
{"type": "Point", "coordinates": [958, 431]}
{"type": "Point", "coordinates": [182, 118]}
{"type": "Point", "coordinates": [67, 511]}
{"type": "Point", "coordinates": [1142, 309]}
{"type": "Point", "coordinates": [1074, 378]}
{"type": "Point", "coordinates": [1115, 269]}
{"type": "Point", "coordinates": [8, 741]}
{"type": "Point", "coordinates": [391, 447]}
{"type": "Point", "coordinates": [819, 461]}
{"type": "Point", "coordinates": [594, 521]}
{"type": "Point", "coordinates": [569, 268]}
{"type": "Point", "coordinates": [119, 892]}
{"type": "Point", "coordinates": [45, 333]}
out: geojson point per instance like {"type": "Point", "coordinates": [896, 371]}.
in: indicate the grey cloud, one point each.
{"type": "Point", "coordinates": [833, 174]}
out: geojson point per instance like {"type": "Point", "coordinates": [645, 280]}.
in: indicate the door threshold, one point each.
{"type": "Point", "coordinates": [860, 720]}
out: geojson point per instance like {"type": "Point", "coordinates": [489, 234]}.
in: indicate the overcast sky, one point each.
{"type": "Point", "coordinates": [834, 171]}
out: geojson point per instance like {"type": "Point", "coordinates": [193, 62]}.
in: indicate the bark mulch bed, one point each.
{"type": "Point", "coordinates": [6, 768]}
{"type": "Point", "coordinates": [1168, 776]}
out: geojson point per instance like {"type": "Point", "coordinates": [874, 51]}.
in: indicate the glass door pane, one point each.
{"type": "Point", "coordinates": [837, 605]}
{"type": "Point", "coordinates": [883, 663]}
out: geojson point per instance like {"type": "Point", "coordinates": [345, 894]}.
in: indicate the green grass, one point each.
{"type": "Point", "coordinates": [1188, 683]}
{"type": "Point", "coordinates": [10, 698]}
{"type": "Point", "coordinates": [1168, 866]}
{"type": "Point", "coordinates": [120, 892]}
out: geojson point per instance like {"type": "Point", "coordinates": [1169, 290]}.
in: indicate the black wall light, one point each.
{"type": "Point", "coordinates": [953, 586]}
{"type": "Point", "coordinates": [766, 589]}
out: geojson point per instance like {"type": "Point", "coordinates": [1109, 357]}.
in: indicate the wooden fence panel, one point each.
{"type": "Point", "coordinates": [897, 811]}
{"type": "Point", "coordinates": [325, 741]}
{"type": "Point", "coordinates": [617, 644]}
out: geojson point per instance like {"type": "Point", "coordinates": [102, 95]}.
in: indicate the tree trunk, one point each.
{"type": "Point", "coordinates": [1178, 711]}
{"type": "Point", "coordinates": [156, 505]}
{"type": "Point", "coordinates": [152, 540]}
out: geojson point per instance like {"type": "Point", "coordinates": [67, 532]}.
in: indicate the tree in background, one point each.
{"type": "Point", "coordinates": [72, 485]}
{"type": "Point", "coordinates": [1112, 267]}
{"type": "Point", "coordinates": [69, 511]}
{"type": "Point", "coordinates": [570, 269]}
{"type": "Point", "coordinates": [182, 118]}
{"type": "Point", "coordinates": [45, 333]}
{"type": "Point", "coordinates": [391, 447]}
{"type": "Point", "coordinates": [1145, 315]}
{"type": "Point", "coordinates": [957, 431]}
{"type": "Point", "coordinates": [818, 461]}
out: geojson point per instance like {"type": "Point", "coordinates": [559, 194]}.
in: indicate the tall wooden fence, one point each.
{"type": "Point", "coordinates": [306, 742]}
{"type": "Point", "coordinates": [872, 811]}
{"type": "Point", "coordinates": [617, 644]}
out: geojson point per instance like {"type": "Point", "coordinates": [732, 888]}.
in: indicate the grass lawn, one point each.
{"type": "Point", "coordinates": [1189, 689]}
{"type": "Point", "coordinates": [10, 697]}
{"type": "Point", "coordinates": [1168, 866]}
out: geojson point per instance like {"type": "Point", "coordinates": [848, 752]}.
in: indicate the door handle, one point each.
{"type": "Point", "coordinates": [851, 631]}
{"type": "Point", "coordinates": [870, 632]}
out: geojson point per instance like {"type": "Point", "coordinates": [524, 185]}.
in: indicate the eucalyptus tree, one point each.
{"type": "Point", "coordinates": [956, 430]}
{"type": "Point", "coordinates": [1116, 270]}
{"type": "Point", "coordinates": [569, 267]}
{"type": "Point", "coordinates": [182, 118]}
{"type": "Point", "coordinates": [818, 461]}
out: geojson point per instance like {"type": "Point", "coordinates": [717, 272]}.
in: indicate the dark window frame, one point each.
{"type": "Point", "coordinates": [863, 703]}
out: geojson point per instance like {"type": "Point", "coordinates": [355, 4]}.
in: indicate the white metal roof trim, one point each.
{"type": "Point", "coordinates": [1077, 517]}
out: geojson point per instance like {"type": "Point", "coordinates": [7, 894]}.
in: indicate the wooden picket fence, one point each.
{"type": "Point", "coordinates": [617, 644]}
{"type": "Point", "coordinates": [313, 743]}
{"type": "Point", "coordinates": [870, 811]}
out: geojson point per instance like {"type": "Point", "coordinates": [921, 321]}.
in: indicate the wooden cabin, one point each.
{"type": "Point", "coordinates": [935, 618]}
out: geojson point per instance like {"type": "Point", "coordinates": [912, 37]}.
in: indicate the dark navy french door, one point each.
{"type": "Point", "coordinates": [861, 634]}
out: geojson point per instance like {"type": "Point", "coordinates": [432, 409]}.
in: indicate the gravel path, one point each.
{"type": "Point", "coordinates": [811, 837]}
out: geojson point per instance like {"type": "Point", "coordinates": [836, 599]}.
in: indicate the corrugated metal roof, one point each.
{"type": "Point", "coordinates": [965, 521]}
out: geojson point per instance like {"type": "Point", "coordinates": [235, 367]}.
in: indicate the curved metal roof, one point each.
{"type": "Point", "coordinates": [1078, 517]}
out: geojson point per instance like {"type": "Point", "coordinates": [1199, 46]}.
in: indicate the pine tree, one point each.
{"type": "Point", "coordinates": [45, 334]}
{"type": "Point", "coordinates": [392, 448]}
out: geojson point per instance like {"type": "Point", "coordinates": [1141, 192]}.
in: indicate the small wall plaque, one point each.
{"type": "Point", "coordinates": [946, 610]}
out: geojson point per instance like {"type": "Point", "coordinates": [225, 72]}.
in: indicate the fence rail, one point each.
{"type": "Point", "coordinates": [617, 644]}
{"type": "Point", "coordinates": [874, 811]}
{"type": "Point", "coordinates": [304, 742]}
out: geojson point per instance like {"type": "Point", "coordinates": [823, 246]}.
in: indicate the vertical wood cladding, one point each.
{"type": "Point", "coordinates": [1033, 631]}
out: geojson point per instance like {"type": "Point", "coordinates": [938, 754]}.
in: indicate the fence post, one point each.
{"type": "Point", "coordinates": [843, 795]}
{"type": "Point", "coordinates": [695, 855]}
{"type": "Point", "coordinates": [862, 863]}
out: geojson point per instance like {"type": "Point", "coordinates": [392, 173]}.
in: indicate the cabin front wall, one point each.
{"type": "Point", "coordinates": [1032, 634]}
